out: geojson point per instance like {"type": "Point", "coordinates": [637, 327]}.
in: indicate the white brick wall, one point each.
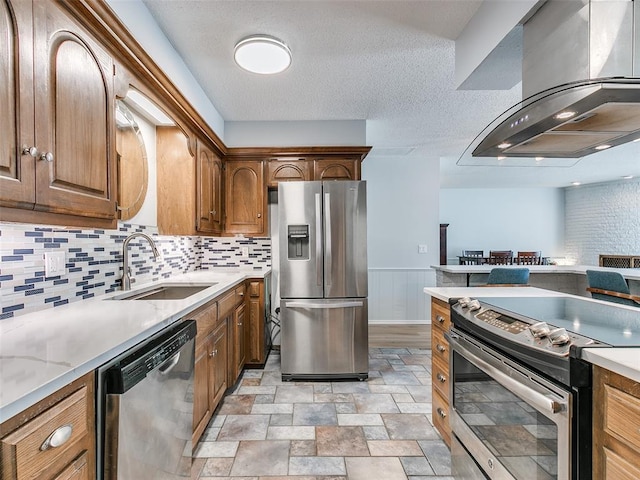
{"type": "Point", "coordinates": [602, 218]}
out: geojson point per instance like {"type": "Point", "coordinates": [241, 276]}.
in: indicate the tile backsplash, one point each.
{"type": "Point", "coordinates": [94, 261]}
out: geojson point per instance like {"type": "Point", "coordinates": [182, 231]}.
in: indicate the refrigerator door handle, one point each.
{"type": "Point", "coordinates": [324, 305]}
{"type": "Point", "coordinates": [318, 240]}
{"type": "Point", "coordinates": [327, 243]}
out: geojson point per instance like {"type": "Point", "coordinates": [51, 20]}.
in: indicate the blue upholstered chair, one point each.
{"type": "Point", "coordinates": [610, 286]}
{"type": "Point", "coordinates": [508, 276]}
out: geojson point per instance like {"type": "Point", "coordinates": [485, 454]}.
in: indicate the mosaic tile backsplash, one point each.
{"type": "Point", "coordinates": [94, 261]}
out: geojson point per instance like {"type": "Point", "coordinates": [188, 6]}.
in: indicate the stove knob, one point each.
{"type": "Point", "coordinates": [539, 330]}
{"type": "Point", "coordinates": [559, 336]}
{"type": "Point", "coordinates": [464, 302]}
{"type": "Point", "coordinates": [474, 305]}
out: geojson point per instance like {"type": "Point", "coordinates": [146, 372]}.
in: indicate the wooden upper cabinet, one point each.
{"type": "Point", "coordinates": [70, 171]}
{"type": "Point", "coordinates": [341, 168]}
{"type": "Point", "coordinates": [245, 197]}
{"type": "Point", "coordinates": [288, 170]}
{"type": "Point", "coordinates": [209, 194]}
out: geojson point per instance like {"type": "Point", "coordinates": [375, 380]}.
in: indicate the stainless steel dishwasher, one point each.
{"type": "Point", "coordinates": [145, 411]}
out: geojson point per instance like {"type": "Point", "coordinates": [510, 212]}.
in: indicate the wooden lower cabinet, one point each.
{"type": "Point", "coordinates": [24, 453]}
{"type": "Point", "coordinates": [616, 426]}
{"type": "Point", "coordinates": [256, 331]}
{"type": "Point", "coordinates": [239, 352]}
{"type": "Point", "coordinates": [440, 323]}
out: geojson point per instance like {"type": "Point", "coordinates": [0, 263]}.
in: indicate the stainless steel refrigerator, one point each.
{"type": "Point", "coordinates": [323, 280]}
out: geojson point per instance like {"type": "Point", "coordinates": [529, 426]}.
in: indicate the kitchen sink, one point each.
{"type": "Point", "coordinates": [165, 291]}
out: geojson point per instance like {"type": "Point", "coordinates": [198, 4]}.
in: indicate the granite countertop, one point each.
{"type": "Point", "coordinates": [628, 273]}
{"type": "Point", "coordinates": [43, 351]}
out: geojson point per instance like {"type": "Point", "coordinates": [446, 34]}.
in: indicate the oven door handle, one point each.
{"type": "Point", "coordinates": [536, 399]}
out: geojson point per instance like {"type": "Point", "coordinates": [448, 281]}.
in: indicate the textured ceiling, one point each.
{"type": "Point", "coordinates": [388, 62]}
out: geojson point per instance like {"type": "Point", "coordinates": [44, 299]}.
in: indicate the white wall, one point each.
{"type": "Point", "coordinates": [503, 219]}
{"type": "Point", "coordinates": [602, 218]}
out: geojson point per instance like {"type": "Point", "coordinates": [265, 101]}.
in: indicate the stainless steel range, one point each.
{"type": "Point", "coordinates": [520, 392]}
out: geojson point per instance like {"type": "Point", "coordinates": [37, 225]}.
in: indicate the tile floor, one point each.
{"type": "Point", "coordinates": [380, 429]}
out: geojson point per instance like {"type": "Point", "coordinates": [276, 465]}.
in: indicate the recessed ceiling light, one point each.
{"type": "Point", "coordinates": [504, 145]}
{"type": "Point", "coordinates": [565, 115]}
{"type": "Point", "coordinates": [262, 54]}
{"type": "Point", "coordinates": [603, 147]}
{"type": "Point", "coordinates": [575, 183]}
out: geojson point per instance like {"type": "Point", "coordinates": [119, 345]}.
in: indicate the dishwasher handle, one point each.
{"type": "Point", "coordinates": [167, 366]}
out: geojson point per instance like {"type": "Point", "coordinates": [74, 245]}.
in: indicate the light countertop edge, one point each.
{"type": "Point", "coordinates": [80, 337]}
{"type": "Point", "coordinates": [628, 273]}
{"type": "Point", "coordinates": [446, 293]}
{"type": "Point", "coordinates": [624, 361]}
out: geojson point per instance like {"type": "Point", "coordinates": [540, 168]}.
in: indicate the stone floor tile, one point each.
{"type": "Point", "coordinates": [291, 433]}
{"type": "Point", "coordinates": [424, 477]}
{"type": "Point", "coordinates": [346, 419]}
{"type": "Point", "coordinates": [314, 414]}
{"type": "Point", "coordinates": [216, 449]}
{"type": "Point", "coordinates": [272, 408]}
{"type": "Point", "coordinates": [375, 403]}
{"type": "Point", "coordinates": [394, 350]}
{"type": "Point", "coordinates": [394, 448]}
{"type": "Point", "coordinates": [409, 426]}
{"type": "Point", "coordinates": [397, 378]}
{"type": "Point", "coordinates": [252, 373]}
{"type": "Point", "coordinates": [416, 359]}
{"type": "Point", "coordinates": [261, 458]}
{"type": "Point", "coordinates": [416, 466]}
{"type": "Point", "coordinates": [259, 390]}
{"type": "Point", "coordinates": [244, 427]}
{"type": "Point", "coordinates": [333, 397]}
{"type": "Point", "coordinates": [350, 387]}
{"type": "Point", "coordinates": [375, 433]}
{"type": "Point", "coordinates": [250, 382]}
{"type": "Point", "coordinates": [271, 378]}
{"type": "Point", "coordinates": [217, 467]}
{"type": "Point", "coordinates": [196, 467]}
{"type": "Point", "coordinates": [420, 393]}
{"type": "Point", "coordinates": [402, 398]}
{"type": "Point", "coordinates": [438, 455]}
{"type": "Point", "coordinates": [332, 441]}
{"type": "Point", "coordinates": [217, 420]}
{"type": "Point", "coordinates": [414, 407]}
{"type": "Point", "coordinates": [375, 380]}
{"type": "Point", "coordinates": [368, 468]}
{"type": "Point", "coordinates": [345, 408]}
{"type": "Point", "coordinates": [322, 387]}
{"type": "Point", "coordinates": [294, 394]}
{"type": "Point", "coordinates": [388, 389]}
{"type": "Point", "coordinates": [302, 448]}
{"type": "Point", "coordinates": [281, 419]}
{"type": "Point", "coordinates": [210, 434]}
{"type": "Point", "coordinates": [317, 466]}
{"type": "Point", "coordinates": [236, 404]}
{"type": "Point", "coordinates": [265, 398]}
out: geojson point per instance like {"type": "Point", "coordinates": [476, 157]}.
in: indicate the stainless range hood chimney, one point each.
{"type": "Point", "coordinates": [580, 82]}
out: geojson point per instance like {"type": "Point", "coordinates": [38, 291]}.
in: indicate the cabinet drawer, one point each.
{"type": "Point", "coordinates": [622, 416]}
{"type": "Point", "coordinates": [23, 448]}
{"type": "Point", "coordinates": [440, 415]}
{"type": "Point", "coordinates": [439, 346]}
{"type": "Point", "coordinates": [240, 292]}
{"type": "Point", "coordinates": [440, 314]}
{"type": "Point", "coordinates": [618, 468]}
{"type": "Point", "coordinates": [226, 304]}
{"type": "Point", "coordinates": [440, 376]}
{"type": "Point", "coordinates": [77, 470]}
{"type": "Point", "coordinates": [206, 318]}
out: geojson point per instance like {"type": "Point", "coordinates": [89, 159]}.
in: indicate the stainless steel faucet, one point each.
{"type": "Point", "coordinates": [126, 273]}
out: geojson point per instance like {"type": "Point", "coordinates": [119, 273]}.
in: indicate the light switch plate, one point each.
{"type": "Point", "coordinates": [54, 264]}
{"type": "Point", "coordinates": [422, 249]}
{"type": "Point", "coordinates": [244, 252]}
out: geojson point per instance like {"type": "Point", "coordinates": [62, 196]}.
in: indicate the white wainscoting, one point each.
{"type": "Point", "coordinates": [396, 296]}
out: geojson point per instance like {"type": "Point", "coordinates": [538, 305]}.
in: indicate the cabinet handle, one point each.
{"type": "Point", "coordinates": [441, 378]}
{"type": "Point", "coordinates": [32, 151]}
{"type": "Point", "coordinates": [440, 318]}
{"type": "Point", "coordinates": [213, 353]}
{"type": "Point", "coordinates": [241, 294]}
{"type": "Point", "coordinates": [212, 212]}
{"type": "Point", "coordinates": [47, 157]}
{"type": "Point", "coordinates": [441, 348]}
{"type": "Point", "coordinates": [239, 324]}
{"type": "Point", "coordinates": [59, 437]}
{"type": "Point", "coordinates": [259, 215]}
{"type": "Point", "coordinates": [441, 412]}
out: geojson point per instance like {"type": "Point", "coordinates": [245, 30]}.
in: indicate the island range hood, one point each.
{"type": "Point", "coordinates": [580, 82]}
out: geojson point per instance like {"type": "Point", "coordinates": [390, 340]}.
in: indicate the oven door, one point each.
{"type": "Point", "coordinates": [512, 422]}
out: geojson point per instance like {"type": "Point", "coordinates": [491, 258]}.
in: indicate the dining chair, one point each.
{"type": "Point", "coordinates": [610, 286]}
{"type": "Point", "coordinates": [508, 277]}
{"type": "Point", "coordinates": [529, 258]}
{"type": "Point", "coordinates": [500, 257]}
{"type": "Point", "coordinates": [472, 257]}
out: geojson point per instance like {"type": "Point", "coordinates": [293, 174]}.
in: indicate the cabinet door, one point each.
{"type": "Point", "coordinates": [74, 125]}
{"type": "Point", "coordinates": [209, 191]}
{"type": "Point", "coordinates": [245, 198]}
{"type": "Point", "coordinates": [239, 340]}
{"type": "Point", "coordinates": [17, 187]}
{"type": "Point", "coordinates": [289, 170]}
{"type": "Point", "coordinates": [336, 169]}
{"type": "Point", "coordinates": [201, 411]}
{"type": "Point", "coordinates": [219, 367]}
{"type": "Point", "coordinates": [256, 326]}
{"type": "Point", "coordinates": [77, 470]}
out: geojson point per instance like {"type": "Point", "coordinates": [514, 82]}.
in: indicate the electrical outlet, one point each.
{"type": "Point", "coordinates": [244, 252]}
{"type": "Point", "coordinates": [54, 264]}
{"type": "Point", "coordinates": [422, 249]}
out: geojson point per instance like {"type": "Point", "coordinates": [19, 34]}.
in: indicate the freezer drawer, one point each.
{"type": "Point", "coordinates": [324, 339]}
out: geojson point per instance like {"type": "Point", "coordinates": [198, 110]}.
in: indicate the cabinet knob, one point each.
{"type": "Point", "coordinates": [32, 151]}
{"type": "Point", "coordinates": [239, 324]}
{"type": "Point", "coordinates": [241, 294]}
{"type": "Point", "coordinates": [259, 215]}
{"type": "Point", "coordinates": [441, 412]}
{"type": "Point", "coordinates": [47, 157]}
{"type": "Point", "coordinates": [212, 212]}
{"type": "Point", "coordinates": [441, 348]}
{"type": "Point", "coordinates": [440, 318]}
{"type": "Point", "coordinates": [59, 437]}
{"type": "Point", "coordinates": [441, 378]}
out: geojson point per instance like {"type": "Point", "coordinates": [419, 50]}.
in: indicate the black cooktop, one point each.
{"type": "Point", "coordinates": [614, 325]}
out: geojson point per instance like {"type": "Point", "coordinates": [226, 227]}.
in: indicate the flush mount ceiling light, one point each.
{"type": "Point", "coordinates": [262, 54]}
